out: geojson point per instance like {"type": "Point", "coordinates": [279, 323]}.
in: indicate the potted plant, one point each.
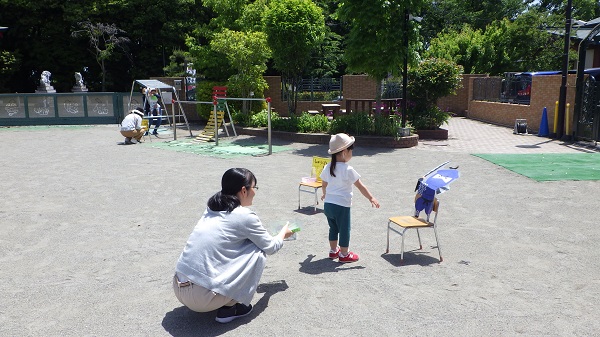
{"type": "Point", "coordinates": [430, 80]}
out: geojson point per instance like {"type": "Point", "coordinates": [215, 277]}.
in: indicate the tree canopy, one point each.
{"type": "Point", "coordinates": [294, 30]}
{"type": "Point", "coordinates": [484, 36]}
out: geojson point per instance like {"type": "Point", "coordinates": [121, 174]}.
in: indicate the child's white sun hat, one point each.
{"type": "Point", "coordinates": [339, 142]}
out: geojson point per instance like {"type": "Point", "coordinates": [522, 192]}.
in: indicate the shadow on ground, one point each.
{"type": "Point", "coordinates": [326, 265]}
{"type": "Point", "coordinates": [411, 258]}
{"type": "Point", "coordinates": [183, 322]}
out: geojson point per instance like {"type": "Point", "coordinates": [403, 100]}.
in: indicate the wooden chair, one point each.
{"type": "Point", "coordinates": [414, 222]}
{"type": "Point", "coordinates": [312, 184]}
{"type": "Point", "coordinates": [146, 127]}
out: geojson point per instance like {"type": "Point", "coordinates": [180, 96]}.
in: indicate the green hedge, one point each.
{"type": "Point", "coordinates": [356, 124]}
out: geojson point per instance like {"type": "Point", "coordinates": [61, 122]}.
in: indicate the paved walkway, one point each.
{"type": "Point", "coordinates": [90, 232]}
{"type": "Point", "coordinates": [470, 136]}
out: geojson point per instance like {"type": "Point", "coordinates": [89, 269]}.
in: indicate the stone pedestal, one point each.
{"type": "Point", "coordinates": [45, 89]}
{"type": "Point", "coordinates": [79, 88]}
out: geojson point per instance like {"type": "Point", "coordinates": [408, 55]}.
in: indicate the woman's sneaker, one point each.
{"type": "Point", "coordinates": [228, 314]}
{"type": "Point", "coordinates": [334, 255]}
{"type": "Point", "coordinates": [351, 257]}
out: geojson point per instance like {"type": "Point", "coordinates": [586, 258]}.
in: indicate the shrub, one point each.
{"type": "Point", "coordinates": [356, 124]}
{"type": "Point", "coordinates": [204, 90]}
{"type": "Point", "coordinates": [308, 123]}
{"type": "Point", "coordinates": [288, 124]}
{"type": "Point", "coordinates": [429, 81]}
{"type": "Point", "coordinates": [240, 118]}
{"type": "Point", "coordinates": [384, 125]}
{"type": "Point", "coordinates": [261, 119]}
{"type": "Point", "coordinates": [427, 119]}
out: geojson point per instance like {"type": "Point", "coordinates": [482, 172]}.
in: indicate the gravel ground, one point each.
{"type": "Point", "coordinates": [90, 232]}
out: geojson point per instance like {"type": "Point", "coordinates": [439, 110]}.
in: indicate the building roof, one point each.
{"type": "Point", "coordinates": [580, 30]}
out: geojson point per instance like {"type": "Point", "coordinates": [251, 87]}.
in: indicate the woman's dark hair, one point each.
{"type": "Point", "coordinates": [334, 160]}
{"type": "Point", "coordinates": [232, 182]}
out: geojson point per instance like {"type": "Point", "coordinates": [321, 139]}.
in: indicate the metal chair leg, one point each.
{"type": "Point", "coordinates": [438, 244]}
{"type": "Point", "coordinates": [387, 248]}
{"type": "Point", "coordinates": [402, 253]}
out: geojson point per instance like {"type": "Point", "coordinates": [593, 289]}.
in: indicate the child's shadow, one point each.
{"type": "Point", "coordinates": [325, 265]}
{"type": "Point", "coordinates": [183, 322]}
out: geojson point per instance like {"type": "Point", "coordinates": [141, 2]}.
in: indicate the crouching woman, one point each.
{"type": "Point", "coordinates": [224, 257]}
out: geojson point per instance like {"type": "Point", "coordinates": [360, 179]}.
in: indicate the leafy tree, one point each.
{"type": "Point", "coordinates": [178, 63]}
{"type": "Point", "coordinates": [36, 38]}
{"type": "Point", "coordinates": [453, 14]}
{"type": "Point", "coordinates": [247, 52]}
{"type": "Point", "coordinates": [520, 45]}
{"type": "Point", "coordinates": [224, 14]}
{"type": "Point", "coordinates": [582, 9]}
{"type": "Point", "coordinates": [9, 62]}
{"type": "Point", "coordinates": [327, 61]}
{"type": "Point", "coordinates": [376, 43]}
{"type": "Point", "coordinates": [464, 47]}
{"type": "Point", "coordinates": [530, 46]}
{"type": "Point", "coordinates": [427, 82]}
{"type": "Point", "coordinates": [294, 30]}
{"type": "Point", "coordinates": [104, 40]}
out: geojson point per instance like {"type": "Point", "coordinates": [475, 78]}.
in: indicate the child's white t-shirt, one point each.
{"type": "Point", "coordinates": [339, 188]}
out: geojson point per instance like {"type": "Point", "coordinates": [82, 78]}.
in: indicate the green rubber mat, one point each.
{"type": "Point", "coordinates": [225, 149]}
{"type": "Point", "coordinates": [550, 166]}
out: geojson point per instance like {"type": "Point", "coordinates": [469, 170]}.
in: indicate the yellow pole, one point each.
{"type": "Point", "coordinates": [555, 116]}
{"type": "Point", "coordinates": [567, 124]}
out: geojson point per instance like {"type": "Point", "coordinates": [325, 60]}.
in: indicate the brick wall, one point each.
{"type": "Point", "coordinates": [459, 103]}
{"type": "Point", "coordinates": [545, 92]}
{"type": "Point", "coordinates": [354, 86]}
{"type": "Point", "coordinates": [359, 87]}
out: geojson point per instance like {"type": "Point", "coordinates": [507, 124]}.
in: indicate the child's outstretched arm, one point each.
{"type": "Point", "coordinates": [324, 188]}
{"type": "Point", "coordinates": [365, 191]}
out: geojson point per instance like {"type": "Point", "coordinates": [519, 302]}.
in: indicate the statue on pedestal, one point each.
{"type": "Point", "coordinates": [79, 85]}
{"type": "Point", "coordinates": [45, 86]}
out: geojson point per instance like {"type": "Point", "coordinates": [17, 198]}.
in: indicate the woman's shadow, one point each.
{"type": "Point", "coordinates": [184, 322]}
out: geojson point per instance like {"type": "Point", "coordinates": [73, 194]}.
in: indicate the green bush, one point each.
{"type": "Point", "coordinates": [356, 124]}
{"type": "Point", "coordinates": [427, 82]}
{"type": "Point", "coordinates": [384, 125]}
{"type": "Point", "coordinates": [261, 119]}
{"type": "Point", "coordinates": [428, 118]}
{"type": "Point", "coordinates": [308, 123]}
{"type": "Point", "coordinates": [240, 118]}
{"type": "Point", "coordinates": [204, 90]}
{"type": "Point", "coordinates": [287, 124]}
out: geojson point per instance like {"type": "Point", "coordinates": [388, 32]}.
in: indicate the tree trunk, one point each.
{"type": "Point", "coordinates": [103, 69]}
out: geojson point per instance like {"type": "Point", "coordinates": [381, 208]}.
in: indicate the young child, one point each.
{"type": "Point", "coordinates": [338, 178]}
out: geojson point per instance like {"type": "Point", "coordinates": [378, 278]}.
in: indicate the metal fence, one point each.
{"type": "Point", "coordinates": [317, 89]}
{"type": "Point", "coordinates": [65, 108]}
{"type": "Point", "coordinates": [510, 89]}
{"type": "Point", "coordinates": [589, 116]}
{"type": "Point", "coordinates": [392, 88]}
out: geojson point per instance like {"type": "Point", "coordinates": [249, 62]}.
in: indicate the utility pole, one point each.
{"type": "Point", "coordinates": [405, 70]}
{"type": "Point", "coordinates": [565, 72]}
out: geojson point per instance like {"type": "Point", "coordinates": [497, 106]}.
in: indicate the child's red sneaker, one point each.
{"type": "Point", "coordinates": [351, 257]}
{"type": "Point", "coordinates": [334, 255]}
